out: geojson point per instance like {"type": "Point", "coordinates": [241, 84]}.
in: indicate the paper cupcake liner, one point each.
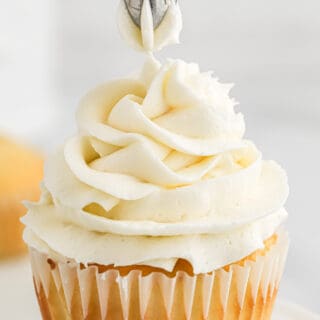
{"type": "Point", "coordinates": [244, 291]}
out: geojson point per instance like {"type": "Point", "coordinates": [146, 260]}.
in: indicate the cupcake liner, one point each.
{"type": "Point", "coordinates": [240, 291]}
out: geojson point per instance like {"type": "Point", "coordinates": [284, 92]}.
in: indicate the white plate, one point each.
{"type": "Point", "coordinates": [18, 301]}
{"type": "Point", "coordinates": [285, 310]}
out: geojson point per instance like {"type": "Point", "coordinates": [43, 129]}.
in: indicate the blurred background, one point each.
{"type": "Point", "coordinates": [52, 52]}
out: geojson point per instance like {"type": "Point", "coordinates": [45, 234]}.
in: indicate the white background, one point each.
{"type": "Point", "coordinates": [53, 51]}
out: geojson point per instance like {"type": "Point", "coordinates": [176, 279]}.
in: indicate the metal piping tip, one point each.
{"type": "Point", "coordinates": [159, 9]}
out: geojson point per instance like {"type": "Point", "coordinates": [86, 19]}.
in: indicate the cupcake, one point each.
{"type": "Point", "coordinates": [158, 208]}
{"type": "Point", "coordinates": [20, 174]}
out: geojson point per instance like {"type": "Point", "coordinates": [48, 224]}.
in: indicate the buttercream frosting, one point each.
{"type": "Point", "coordinates": [159, 163]}
{"type": "Point", "coordinates": [158, 171]}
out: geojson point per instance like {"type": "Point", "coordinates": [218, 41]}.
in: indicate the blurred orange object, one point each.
{"type": "Point", "coordinates": [21, 170]}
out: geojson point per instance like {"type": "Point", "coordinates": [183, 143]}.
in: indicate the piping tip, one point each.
{"type": "Point", "coordinates": [159, 9]}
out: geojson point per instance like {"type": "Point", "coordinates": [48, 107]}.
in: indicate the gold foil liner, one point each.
{"type": "Point", "coordinates": [245, 291]}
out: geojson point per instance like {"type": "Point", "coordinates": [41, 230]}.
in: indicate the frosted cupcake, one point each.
{"type": "Point", "coordinates": [158, 208]}
{"type": "Point", "coordinates": [20, 175]}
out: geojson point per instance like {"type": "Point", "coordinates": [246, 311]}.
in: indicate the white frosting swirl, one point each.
{"type": "Point", "coordinates": [147, 38]}
{"type": "Point", "coordinates": [160, 163]}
